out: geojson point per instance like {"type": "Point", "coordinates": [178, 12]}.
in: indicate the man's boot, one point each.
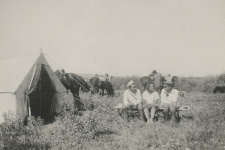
{"type": "Point", "coordinates": [141, 114]}
{"type": "Point", "coordinates": [173, 118]}
{"type": "Point", "coordinates": [146, 111]}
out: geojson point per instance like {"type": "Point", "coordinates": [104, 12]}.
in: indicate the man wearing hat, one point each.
{"type": "Point", "coordinates": [107, 77]}
{"type": "Point", "coordinates": [132, 99]}
{"type": "Point", "coordinates": [157, 80]}
{"type": "Point", "coordinates": [169, 97]}
{"type": "Point", "coordinates": [63, 71]}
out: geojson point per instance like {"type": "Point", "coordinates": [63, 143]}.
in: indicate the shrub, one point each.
{"type": "Point", "coordinates": [202, 127]}
{"type": "Point", "coordinates": [200, 84]}
{"type": "Point", "coordinates": [17, 136]}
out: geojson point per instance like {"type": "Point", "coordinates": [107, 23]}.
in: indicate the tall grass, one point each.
{"type": "Point", "coordinates": [200, 84]}
{"type": "Point", "coordinates": [101, 128]}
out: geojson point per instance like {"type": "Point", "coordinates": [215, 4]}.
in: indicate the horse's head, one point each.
{"type": "Point", "coordinates": [163, 79]}
{"type": "Point", "coordinates": [174, 79]}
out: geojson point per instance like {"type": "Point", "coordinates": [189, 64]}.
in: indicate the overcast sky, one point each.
{"type": "Point", "coordinates": [119, 37]}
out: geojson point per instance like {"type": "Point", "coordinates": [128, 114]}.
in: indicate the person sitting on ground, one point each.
{"type": "Point", "coordinates": [150, 100]}
{"type": "Point", "coordinates": [132, 99]}
{"type": "Point", "coordinates": [169, 97]}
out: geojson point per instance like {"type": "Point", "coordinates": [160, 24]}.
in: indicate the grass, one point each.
{"type": "Point", "coordinates": [205, 131]}
{"type": "Point", "coordinates": [203, 127]}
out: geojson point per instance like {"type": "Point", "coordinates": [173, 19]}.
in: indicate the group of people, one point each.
{"type": "Point", "coordinates": [150, 99]}
{"type": "Point", "coordinates": [105, 77]}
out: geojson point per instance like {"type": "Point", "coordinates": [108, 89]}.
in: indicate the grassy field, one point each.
{"type": "Point", "coordinates": [100, 127]}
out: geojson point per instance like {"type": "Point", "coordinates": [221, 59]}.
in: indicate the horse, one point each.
{"type": "Point", "coordinates": [146, 80]}
{"type": "Point", "coordinates": [98, 86]}
{"type": "Point", "coordinates": [74, 83]}
{"type": "Point", "coordinates": [219, 89]}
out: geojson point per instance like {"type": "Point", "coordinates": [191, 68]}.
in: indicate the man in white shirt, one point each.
{"type": "Point", "coordinates": [132, 98]}
{"type": "Point", "coordinates": [169, 97]}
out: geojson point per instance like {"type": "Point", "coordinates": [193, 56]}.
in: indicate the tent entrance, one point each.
{"type": "Point", "coordinates": [41, 98]}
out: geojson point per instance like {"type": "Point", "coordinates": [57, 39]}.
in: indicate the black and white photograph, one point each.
{"type": "Point", "coordinates": [112, 75]}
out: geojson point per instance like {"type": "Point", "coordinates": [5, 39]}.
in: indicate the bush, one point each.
{"type": "Point", "coordinates": [199, 84]}
{"type": "Point", "coordinates": [202, 127]}
{"type": "Point", "coordinates": [17, 136]}
{"type": "Point", "coordinates": [189, 84]}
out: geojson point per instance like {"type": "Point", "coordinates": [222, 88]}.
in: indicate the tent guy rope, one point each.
{"type": "Point", "coordinates": [6, 92]}
{"type": "Point", "coordinates": [61, 68]}
{"type": "Point", "coordinates": [87, 90]}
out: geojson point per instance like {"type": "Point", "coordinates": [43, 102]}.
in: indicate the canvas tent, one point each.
{"type": "Point", "coordinates": [40, 90]}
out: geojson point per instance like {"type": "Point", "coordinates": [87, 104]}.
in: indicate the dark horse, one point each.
{"type": "Point", "coordinates": [98, 86]}
{"type": "Point", "coordinates": [146, 80]}
{"type": "Point", "coordinates": [219, 89]}
{"type": "Point", "coordinates": [73, 83]}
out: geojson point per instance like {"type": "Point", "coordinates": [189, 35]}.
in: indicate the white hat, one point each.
{"type": "Point", "coordinates": [130, 83]}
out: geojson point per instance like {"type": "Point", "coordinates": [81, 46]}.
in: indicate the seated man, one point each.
{"type": "Point", "coordinates": [169, 97]}
{"type": "Point", "coordinates": [132, 99]}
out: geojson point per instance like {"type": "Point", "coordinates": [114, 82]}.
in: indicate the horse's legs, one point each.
{"type": "Point", "coordinates": [97, 90]}
{"type": "Point", "coordinates": [78, 105]}
{"type": "Point", "coordinates": [103, 92]}
{"type": "Point", "coordinates": [99, 93]}
{"type": "Point", "coordinates": [75, 108]}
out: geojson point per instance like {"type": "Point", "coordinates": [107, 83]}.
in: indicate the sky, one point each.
{"type": "Point", "coordinates": [119, 37]}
